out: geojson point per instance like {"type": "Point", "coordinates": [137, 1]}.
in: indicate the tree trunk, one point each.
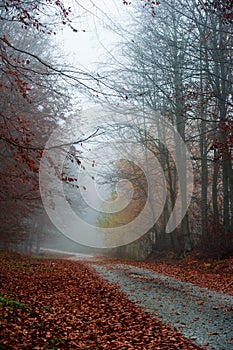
{"type": "Point", "coordinates": [203, 147]}
{"type": "Point", "coordinates": [215, 192]}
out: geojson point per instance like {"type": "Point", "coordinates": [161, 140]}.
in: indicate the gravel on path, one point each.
{"type": "Point", "coordinates": [199, 314]}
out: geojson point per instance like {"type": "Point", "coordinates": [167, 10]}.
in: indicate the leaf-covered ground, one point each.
{"type": "Point", "coordinates": [199, 314]}
{"type": "Point", "coordinates": [60, 304]}
{"type": "Point", "coordinates": [216, 275]}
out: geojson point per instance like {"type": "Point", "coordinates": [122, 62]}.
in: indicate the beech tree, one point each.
{"type": "Point", "coordinates": [33, 100]}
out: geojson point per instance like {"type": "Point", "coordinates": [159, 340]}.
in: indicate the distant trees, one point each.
{"type": "Point", "coordinates": [178, 63]}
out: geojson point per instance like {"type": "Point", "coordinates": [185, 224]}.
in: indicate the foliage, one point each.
{"type": "Point", "coordinates": [32, 103]}
{"type": "Point", "coordinates": [9, 303]}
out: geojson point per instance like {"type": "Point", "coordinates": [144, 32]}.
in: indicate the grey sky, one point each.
{"type": "Point", "coordinates": [87, 46]}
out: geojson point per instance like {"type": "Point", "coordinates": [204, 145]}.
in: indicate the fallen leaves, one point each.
{"type": "Point", "coordinates": [215, 275]}
{"type": "Point", "coordinates": [68, 306]}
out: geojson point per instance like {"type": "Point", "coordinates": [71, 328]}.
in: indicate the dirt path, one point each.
{"type": "Point", "coordinates": [202, 315]}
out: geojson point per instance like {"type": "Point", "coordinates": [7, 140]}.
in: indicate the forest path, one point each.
{"type": "Point", "coordinates": [199, 314]}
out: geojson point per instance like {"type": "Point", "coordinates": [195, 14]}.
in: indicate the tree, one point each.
{"type": "Point", "coordinates": [178, 62]}
{"type": "Point", "coordinates": [32, 103]}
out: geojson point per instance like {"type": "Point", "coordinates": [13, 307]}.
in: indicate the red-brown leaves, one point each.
{"type": "Point", "coordinates": [69, 307]}
{"type": "Point", "coordinates": [223, 9]}
{"type": "Point", "coordinates": [146, 3]}
{"type": "Point", "coordinates": [31, 13]}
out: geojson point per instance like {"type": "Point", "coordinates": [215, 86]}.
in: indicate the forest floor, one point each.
{"type": "Point", "coordinates": [187, 294]}
{"type": "Point", "coordinates": [53, 303]}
